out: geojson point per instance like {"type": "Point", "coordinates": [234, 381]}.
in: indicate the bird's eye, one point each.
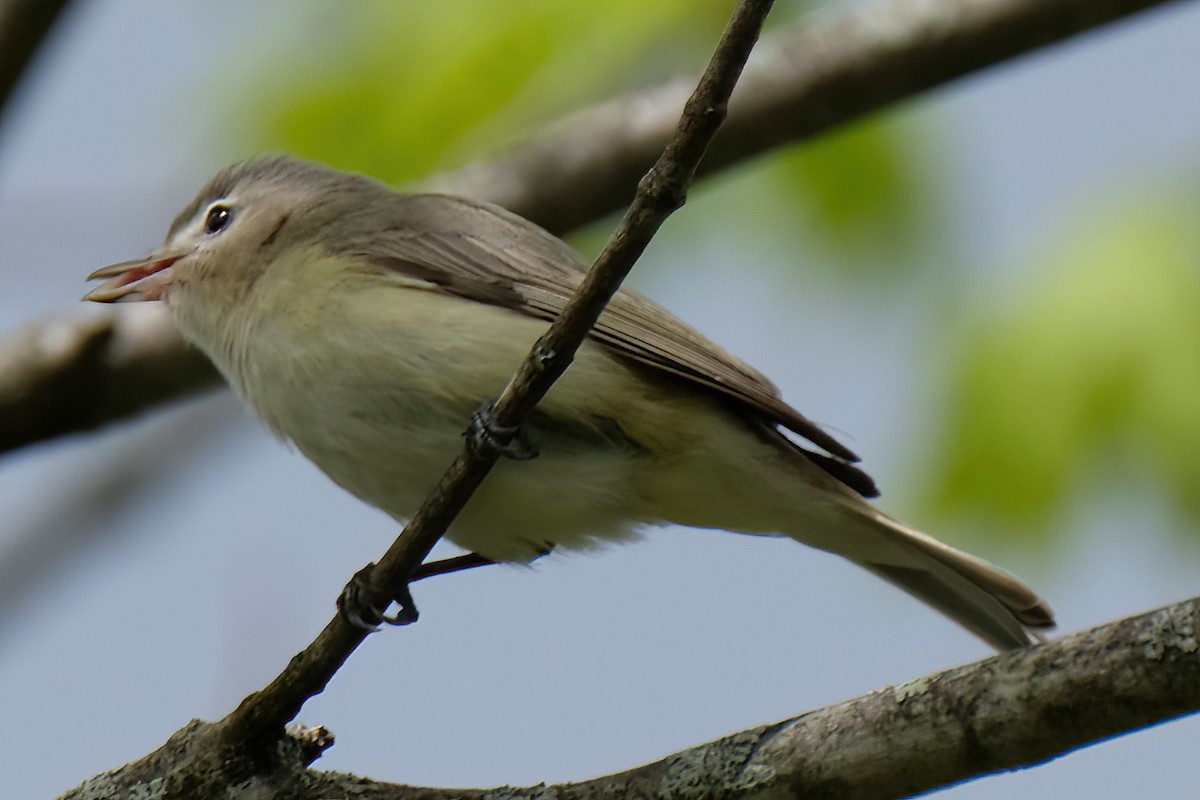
{"type": "Point", "coordinates": [217, 219]}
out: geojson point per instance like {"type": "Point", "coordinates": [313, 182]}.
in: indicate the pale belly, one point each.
{"type": "Point", "coordinates": [383, 417]}
{"type": "Point", "coordinates": [380, 407]}
{"type": "Point", "coordinates": [575, 494]}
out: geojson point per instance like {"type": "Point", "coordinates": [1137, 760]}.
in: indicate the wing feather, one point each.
{"type": "Point", "coordinates": [484, 253]}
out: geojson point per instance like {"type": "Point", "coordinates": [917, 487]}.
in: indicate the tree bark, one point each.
{"type": "Point", "coordinates": [1010, 711]}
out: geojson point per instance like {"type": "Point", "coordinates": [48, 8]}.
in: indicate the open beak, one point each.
{"type": "Point", "coordinates": [129, 281]}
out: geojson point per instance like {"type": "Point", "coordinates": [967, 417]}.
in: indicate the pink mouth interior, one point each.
{"type": "Point", "coordinates": [134, 282]}
{"type": "Point", "coordinates": [137, 273]}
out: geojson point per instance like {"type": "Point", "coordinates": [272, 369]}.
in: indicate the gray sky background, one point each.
{"type": "Point", "coordinates": [221, 553]}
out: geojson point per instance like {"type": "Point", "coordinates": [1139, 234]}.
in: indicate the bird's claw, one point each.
{"type": "Point", "coordinates": [355, 607]}
{"type": "Point", "coordinates": [488, 438]}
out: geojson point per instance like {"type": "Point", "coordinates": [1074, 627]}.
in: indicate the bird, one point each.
{"type": "Point", "coordinates": [365, 325]}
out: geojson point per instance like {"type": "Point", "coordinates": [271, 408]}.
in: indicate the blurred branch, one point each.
{"type": "Point", "coordinates": [813, 79]}
{"type": "Point", "coordinates": [71, 374]}
{"type": "Point", "coordinates": [801, 83]}
{"type": "Point", "coordinates": [23, 26]}
{"type": "Point", "coordinates": [1014, 710]}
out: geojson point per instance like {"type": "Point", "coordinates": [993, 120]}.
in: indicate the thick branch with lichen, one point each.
{"type": "Point", "coordinates": [1006, 712]}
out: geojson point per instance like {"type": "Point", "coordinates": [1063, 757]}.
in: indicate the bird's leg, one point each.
{"type": "Point", "coordinates": [466, 561]}
{"type": "Point", "coordinates": [361, 614]}
{"type": "Point", "coordinates": [448, 565]}
{"type": "Point", "coordinates": [486, 437]}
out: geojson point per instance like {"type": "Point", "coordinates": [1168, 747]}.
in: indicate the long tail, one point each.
{"type": "Point", "coordinates": [985, 599]}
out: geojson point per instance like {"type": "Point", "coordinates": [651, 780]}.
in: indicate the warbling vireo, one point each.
{"type": "Point", "coordinates": [365, 325]}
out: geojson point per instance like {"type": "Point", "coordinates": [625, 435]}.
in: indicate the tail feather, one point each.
{"type": "Point", "coordinates": [961, 601]}
{"type": "Point", "coordinates": [986, 600]}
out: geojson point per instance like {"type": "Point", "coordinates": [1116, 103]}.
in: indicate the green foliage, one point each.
{"type": "Point", "coordinates": [414, 87]}
{"type": "Point", "coordinates": [401, 90]}
{"type": "Point", "coordinates": [857, 201]}
{"type": "Point", "coordinates": [1098, 362]}
{"type": "Point", "coordinates": [862, 186]}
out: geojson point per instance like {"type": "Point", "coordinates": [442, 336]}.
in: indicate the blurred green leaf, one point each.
{"type": "Point", "coordinates": [885, 226]}
{"type": "Point", "coordinates": [412, 87]}
{"type": "Point", "coordinates": [864, 187]}
{"type": "Point", "coordinates": [1098, 363]}
{"type": "Point", "coordinates": [400, 90]}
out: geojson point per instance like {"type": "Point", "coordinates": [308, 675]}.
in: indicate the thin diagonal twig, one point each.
{"type": "Point", "coordinates": [261, 717]}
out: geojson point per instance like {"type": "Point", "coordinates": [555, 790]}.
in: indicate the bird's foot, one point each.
{"type": "Point", "coordinates": [356, 608]}
{"type": "Point", "coordinates": [488, 438]}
